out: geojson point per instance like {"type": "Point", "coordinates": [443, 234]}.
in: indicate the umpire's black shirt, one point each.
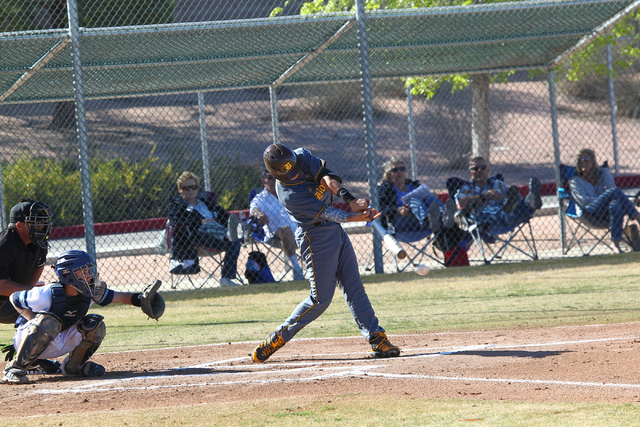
{"type": "Point", "coordinates": [18, 261]}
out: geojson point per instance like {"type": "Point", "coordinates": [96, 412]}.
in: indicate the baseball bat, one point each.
{"type": "Point", "coordinates": [392, 243]}
{"type": "Point", "coordinates": [394, 246]}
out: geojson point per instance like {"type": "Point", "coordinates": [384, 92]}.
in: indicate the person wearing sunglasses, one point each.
{"type": "Point", "coordinates": [598, 198]}
{"type": "Point", "coordinates": [202, 222]}
{"type": "Point", "coordinates": [269, 212]}
{"type": "Point", "coordinates": [495, 203]}
{"type": "Point", "coordinates": [407, 205]}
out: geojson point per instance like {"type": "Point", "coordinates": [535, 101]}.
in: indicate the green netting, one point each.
{"type": "Point", "coordinates": [174, 58]}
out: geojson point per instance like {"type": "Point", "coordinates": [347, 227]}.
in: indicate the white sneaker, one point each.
{"type": "Point", "coordinates": [232, 227]}
{"type": "Point", "coordinates": [224, 282]}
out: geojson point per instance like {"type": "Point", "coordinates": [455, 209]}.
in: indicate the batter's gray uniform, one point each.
{"type": "Point", "coordinates": [325, 248]}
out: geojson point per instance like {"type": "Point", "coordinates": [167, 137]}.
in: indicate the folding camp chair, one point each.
{"type": "Point", "coordinates": [493, 241]}
{"type": "Point", "coordinates": [212, 255]}
{"type": "Point", "coordinates": [417, 242]}
{"type": "Point", "coordinates": [584, 232]}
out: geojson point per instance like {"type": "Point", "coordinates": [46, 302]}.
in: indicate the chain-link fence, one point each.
{"type": "Point", "coordinates": [107, 163]}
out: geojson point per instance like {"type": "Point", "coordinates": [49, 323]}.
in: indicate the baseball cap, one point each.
{"type": "Point", "coordinates": [23, 209]}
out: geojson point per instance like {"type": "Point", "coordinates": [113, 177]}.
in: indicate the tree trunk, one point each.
{"type": "Point", "coordinates": [63, 112]}
{"type": "Point", "coordinates": [480, 116]}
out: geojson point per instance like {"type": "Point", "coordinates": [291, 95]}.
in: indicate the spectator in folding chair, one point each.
{"type": "Point", "coordinates": [597, 197]}
{"type": "Point", "coordinates": [494, 204]}
{"type": "Point", "coordinates": [408, 206]}
{"type": "Point", "coordinates": [270, 213]}
{"type": "Point", "coordinates": [201, 222]}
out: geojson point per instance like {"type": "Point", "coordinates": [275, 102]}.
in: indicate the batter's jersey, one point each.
{"type": "Point", "coordinates": [304, 198]}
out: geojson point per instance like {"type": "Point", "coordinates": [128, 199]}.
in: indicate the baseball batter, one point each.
{"type": "Point", "coordinates": [305, 187]}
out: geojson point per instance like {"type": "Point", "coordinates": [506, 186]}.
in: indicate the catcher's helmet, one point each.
{"type": "Point", "coordinates": [69, 269]}
{"type": "Point", "coordinates": [37, 218]}
{"type": "Point", "coordinates": [281, 162]}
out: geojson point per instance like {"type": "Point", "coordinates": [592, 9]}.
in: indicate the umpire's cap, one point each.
{"type": "Point", "coordinates": [281, 162]}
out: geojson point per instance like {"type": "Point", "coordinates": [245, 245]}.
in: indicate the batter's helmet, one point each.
{"type": "Point", "coordinates": [69, 269]}
{"type": "Point", "coordinates": [281, 162]}
{"type": "Point", "coordinates": [37, 217]}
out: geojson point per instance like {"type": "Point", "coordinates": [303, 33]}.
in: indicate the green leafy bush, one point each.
{"type": "Point", "coordinates": [121, 190]}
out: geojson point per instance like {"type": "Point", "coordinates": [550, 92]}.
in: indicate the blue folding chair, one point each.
{"type": "Point", "coordinates": [417, 241]}
{"type": "Point", "coordinates": [585, 233]}
{"type": "Point", "coordinates": [493, 241]}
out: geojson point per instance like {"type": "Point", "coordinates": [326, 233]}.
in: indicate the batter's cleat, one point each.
{"type": "Point", "coordinates": [267, 347]}
{"type": "Point", "coordinates": [381, 347]}
{"type": "Point", "coordinates": [91, 369]}
{"type": "Point", "coordinates": [15, 376]}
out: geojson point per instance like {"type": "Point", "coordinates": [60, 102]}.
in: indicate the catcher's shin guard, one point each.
{"type": "Point", "coordinates": [93, 331]}
{"type": "Point", "coordinates": [44, 329]}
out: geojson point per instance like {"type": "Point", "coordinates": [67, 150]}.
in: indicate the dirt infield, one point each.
{"type": "Point", "coordinates": [567, 364]}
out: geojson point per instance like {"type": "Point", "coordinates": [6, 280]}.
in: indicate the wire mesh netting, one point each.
{"type": "Point", "coordinates": [196, 86]}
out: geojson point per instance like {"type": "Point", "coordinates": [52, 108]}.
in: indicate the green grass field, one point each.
{"type": "Point", "coordinates": [536, 294]}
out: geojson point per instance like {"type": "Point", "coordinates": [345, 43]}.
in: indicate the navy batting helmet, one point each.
{"type": "Point", "coordinates": [281, 162]}
{"type": "Point", "coordinates": [77, 269]}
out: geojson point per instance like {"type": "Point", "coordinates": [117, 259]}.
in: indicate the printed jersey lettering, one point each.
{"type": "Point", "coordinates": [320, 192]}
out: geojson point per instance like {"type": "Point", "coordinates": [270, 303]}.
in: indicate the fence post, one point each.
{"type": "Point", "coordinates": [203, 143]}
{"type": "Point", "coordinates": [556, 148]}
{"type": "Point", "coordinates": [369, 139]}
{"type": "Point", "coordinates": [613, 108]}
{"type": "Point", "coordinates": [412, 132]}
{"type": "Point", "coordinates": [3, 217]}
{"type": "Point", "coordinates": [275, 126]}
{"type": "Point", "coordinates": [81, 123]}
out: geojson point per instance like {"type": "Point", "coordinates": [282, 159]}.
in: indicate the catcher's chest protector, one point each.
{"type": "Point", "coordinates": [70, 311]}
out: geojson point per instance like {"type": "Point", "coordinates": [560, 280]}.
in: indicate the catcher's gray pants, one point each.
{"type": "Point", "coordinates": [329, 259]}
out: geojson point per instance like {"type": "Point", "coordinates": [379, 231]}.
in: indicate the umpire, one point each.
{"type": "Point", "coordinates": [23, 252]}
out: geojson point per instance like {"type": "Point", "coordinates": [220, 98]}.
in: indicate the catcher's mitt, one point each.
{"type": "Point", "coordinates": [10, 350]}
{"type": "Point", "coordinates": [151, 302]}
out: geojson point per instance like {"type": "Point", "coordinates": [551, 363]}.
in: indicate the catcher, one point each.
{"type": "Point", "coordinates": [54, 322]}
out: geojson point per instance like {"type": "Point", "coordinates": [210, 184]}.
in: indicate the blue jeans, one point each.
{"type": "Point", "coordinates": [417, 221]}
{"type": "Point", "coordinates": [499, 222]}
{"type": "Point", "coordinates": [609, 208]}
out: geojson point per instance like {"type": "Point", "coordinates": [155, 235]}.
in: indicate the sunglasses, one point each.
{"type": "Point", "coordinates": [399, 168]}
{"type": "Point", "coordinates": [189, 187]}
{"type": "Point", "coordinates": [585, 159]}
{"type": "Point", "coordinates": [477, 168]}
{"type": "Point", "coordinates": [268, 177]}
